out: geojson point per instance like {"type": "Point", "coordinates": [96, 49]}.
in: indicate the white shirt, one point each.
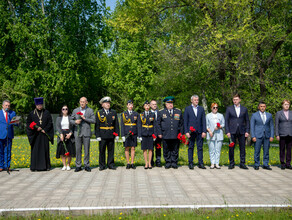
{"type": "Point", "coordinates": [106, 111]}
{"type": "Point", "coordinates": [237, 110]}
{"type": "Point", "coordinates": [83, 110]}
{"type": "Point", "coordinates": [4, 113]}
{"type": "Point", "coordinates": [155, 112]}
{"type": "Point", "coordinates": [195, 109]}
{"type": "Point", "coordinates": [264, 117]}
{"type": "Point", "coordinates": [215, 118]}
{"type": "Point", "coordinates": [65, 122]}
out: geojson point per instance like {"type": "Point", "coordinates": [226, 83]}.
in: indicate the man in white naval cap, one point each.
{"type": "Point", "coordinates": [106, 131]}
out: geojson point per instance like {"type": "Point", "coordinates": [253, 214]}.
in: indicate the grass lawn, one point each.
{"type": "Point", "coordinates": [21, 155]}
{"type": "Point", "coordinates": [271, 214]}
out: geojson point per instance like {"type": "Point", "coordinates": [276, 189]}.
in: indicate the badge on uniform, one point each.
{"type": "Point", "coordinates": [176, 116]}
{"type": "Point", "coordinates": [151, 119]}
{"type": "Point", "coordinates": [135, 117]}
{"type": "Point", "coordinates": [113, 117]}
{"type": "Point", "coordinates": [164, 116]}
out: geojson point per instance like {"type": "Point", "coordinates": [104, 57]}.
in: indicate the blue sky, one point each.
{"type": "Point", "coordinates": [111, 4]}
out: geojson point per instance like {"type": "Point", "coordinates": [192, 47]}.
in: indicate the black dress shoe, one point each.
{"type": "Point", "coordinates": [267, 168]}
{"type": "Point", "coordinates": [133, 166]}
{"type": "Point", "coordinates": [256, 168]}
{"type": "Point", "coordinates": [201, 166]}
{"type": "Point", "coordinates": [230, 167]}
{"type": "Point", "coordinates": [145, 168]}
{"type": "Point", "coordinates": [289, 167]}
{"type": "Point", "coordinates": [191, 166]}
{"type": "Point", "coordinates": [102, 168]}
{"type": "Point", "coordinates": [128, 166]}
{"type": "Point", "coordinates": [174, 166]}
{"type": "Point", "coordinates": [87, 169]}
{"type": "Point", "coordinates": [149, 168]}
{"type": "Point", "coordinates": [243, 166]}
{"type": "Point", "coordinates": [167, 166]}
{"type": "Point", "coordinates": [283, 166]}
{"type": "Point", "coordinates": [77, 169]}
{"type": "Point", "coordinates": [112, 167]}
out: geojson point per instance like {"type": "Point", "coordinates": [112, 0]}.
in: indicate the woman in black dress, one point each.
{"type": "Point", "coordinates": [65, 137]}
{"type": "Point", "coordinates": [146, 133]}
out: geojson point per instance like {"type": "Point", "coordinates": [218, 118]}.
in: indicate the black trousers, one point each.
{"type": "Point", "coordinates": [241, 139]}
{"type": "Point", "coordinates": [157, 153]}
{"type": "Point", "coordinates": [110, 145]}
{"type": "Point", "coordinates": [170, 151]}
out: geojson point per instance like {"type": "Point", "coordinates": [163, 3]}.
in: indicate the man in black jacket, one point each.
{"type": "Point", "coordinates": [170, 124]}
{"type": "Point", "coordinates": [106, 131]}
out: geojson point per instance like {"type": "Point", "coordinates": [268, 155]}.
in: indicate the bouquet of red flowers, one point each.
{"type": "Point", "coordinates": [218, 125]}
{"type": "Point", "coordinates": [158, 146]}
{"type": "Point", "coordinates": [129, 134]}
{"type": "Point", "coordinates": [33, 126]}
{"type": "Point", "coordinates": [192, 129]}
{"type": "Point", "coordinates": [115, 134]}
{"type": "Point", "coordinates": [78, 117]}
{"type": "Point", "coordinates": [231, 143]}
{"type": "Point", "coordinates": [154, 136]}
{"type": "Point", "coordinates": [66, 150]}
{"type": "Point", "coordinates": [183, 139]}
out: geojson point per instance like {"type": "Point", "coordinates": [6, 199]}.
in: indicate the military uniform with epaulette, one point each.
{"type": "Point", "coordinates": [170, 124]}
{"type": "Point", "coordinates": [129, 123]}
{"type": "Point", "coordinates": [107, 129]}
{"type": "Point", "coordinates": [146, 128]}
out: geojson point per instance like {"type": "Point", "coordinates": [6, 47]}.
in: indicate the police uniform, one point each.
{"type": "Point", "coordinates": [170, 124]}
{"type": "Point", "coordinates": [129, 123]}
{"type": "Point", "coordinates": [146, 128]}
{"type": "Point", "coordinates": [106, 124]}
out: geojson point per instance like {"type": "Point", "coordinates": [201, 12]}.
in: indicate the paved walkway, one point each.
{"type": "Point", "coordinates": [157, 188]}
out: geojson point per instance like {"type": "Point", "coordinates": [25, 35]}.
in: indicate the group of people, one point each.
{"type": "Point", "coordinates": [154, 129]}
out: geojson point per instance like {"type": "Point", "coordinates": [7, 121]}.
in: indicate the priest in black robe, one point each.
{"type": "Point", "coordinates": [39, 136]}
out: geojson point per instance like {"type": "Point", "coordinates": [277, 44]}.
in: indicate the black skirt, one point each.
{"type": "Point", "coordinates": [131, 141]}
{"type": "Point", "coordinates": [147, 143]}
{"type": "Point", "coordinates": [69, 145]}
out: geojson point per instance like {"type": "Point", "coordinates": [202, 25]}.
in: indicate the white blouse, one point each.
{"type": "Point", "coordinates": [65, 123]}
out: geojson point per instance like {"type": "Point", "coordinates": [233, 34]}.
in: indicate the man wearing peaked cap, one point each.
{"type": "Point", "coordinates": [105, 99]}
{"type": "Point", "coordinates": [106, 131]}
{"type": "Point", "coordinates": [169, 125]}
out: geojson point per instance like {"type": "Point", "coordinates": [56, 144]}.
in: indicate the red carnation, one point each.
{"type": "Point", "coordinates": [231, 144]}
{"type": "Point", "coordinates": [67, 154]}
{"type": "Point", "coordinates": [158, 146]}
{"type": "Point", "coordinates": [79, 113]}
{"type": "Point", "coordinates": [218, 125]}
{"type": "Point", "coordinates": [192, 129]}
{"type": "Point", "coordinates": [115, 134]}
{"type": "Point", "coordinates": [154, 137]}
{"type": "Point", "coordinates": [33, 125]}
{"type": "Point", "coordinates": [183, 139]}
{"type": "Point", "coordinates": [179, 136]}
{"type": "Point", "coordinates": [131, 133]}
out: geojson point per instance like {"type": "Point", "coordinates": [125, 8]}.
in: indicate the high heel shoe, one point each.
{"type": "Point", "coordinates": [145, 168]}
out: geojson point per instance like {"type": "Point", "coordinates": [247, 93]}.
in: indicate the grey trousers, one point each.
{"type": "Point", "coordinates": [86, 143]}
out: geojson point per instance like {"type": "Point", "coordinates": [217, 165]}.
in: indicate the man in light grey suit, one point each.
{"type": "Point", "coordinates": [82, 117]}
{"type": "Point", "coordinates": [262, 133]}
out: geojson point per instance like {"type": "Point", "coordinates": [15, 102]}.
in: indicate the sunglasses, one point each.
{"type": "Point", "coordinates": [215, 107]}
{"type": "Point", "coordinates": [64, 109]}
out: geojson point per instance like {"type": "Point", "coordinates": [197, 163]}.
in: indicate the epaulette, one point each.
{"type": "Point", "coordinates": [161, 109]}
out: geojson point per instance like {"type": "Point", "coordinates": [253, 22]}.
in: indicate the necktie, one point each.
{"type": "Point", "coordinates": [170, 113]}
{"type": "Point", "coordinates": [6, 117]}
{"type": "Point", "coordinates": [264, 118]}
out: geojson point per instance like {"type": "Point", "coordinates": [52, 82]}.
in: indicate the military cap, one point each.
{"type": "Point", "coordinates": [130, 102]}
{"type": "Point", "coordinates": [146, 102]}
{"type": "Point", "coordinates": [105, 99]}
{"type": "Point", "coordinates": [169, 99]}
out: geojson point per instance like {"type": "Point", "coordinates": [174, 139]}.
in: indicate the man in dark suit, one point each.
{"type": "Point", "coordinates": [106, 131]}
{"type": "Point", "coordinates": [157, 142]}
{"type": "Point", "coordinates": [262, 133]}
{"type": "Point", "coordinates": [194, 116]}
{"type": "Point", "coordinates": [169, 125]}
{"type": "Point", "coordinates": [82, 117]}
{"type": "Point", "coordinates": [237, 126]}
{"type": "Point", "coordinates": [6, 135]}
